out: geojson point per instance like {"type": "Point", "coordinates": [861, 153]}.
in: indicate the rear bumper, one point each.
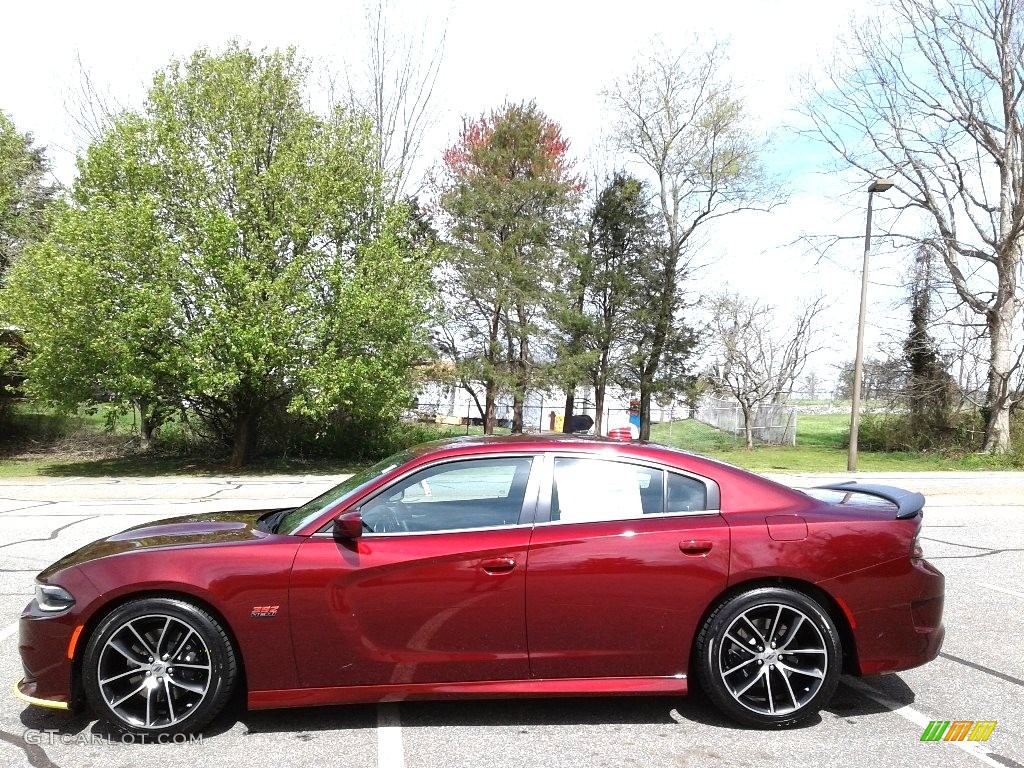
{"type": "Point", "coordinates": [899, 644]}
{"type": "Point", "coordinates": [895, 614]}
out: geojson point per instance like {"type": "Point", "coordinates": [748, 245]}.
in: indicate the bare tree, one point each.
{"type": "Point", "coordinates": [90, 107]}
{"type": "Point", "coordinates": [931, 96]}
{"type": "Point", "coordinates": [758, 362]}
{"type": "Point", "coordinates": [811, 385]}
{"type": "Point", "coordinates": [682, 121]}
{"type": "Point", "coordinates": [402, 67]}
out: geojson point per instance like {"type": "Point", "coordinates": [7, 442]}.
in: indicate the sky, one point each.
{"type": "Point", "coordinates": [561, 53]}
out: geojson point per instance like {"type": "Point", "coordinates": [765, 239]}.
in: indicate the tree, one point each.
{"type": "Point", "coordinates": [930, 389]}
{"type": "Point", "coordinates": [621, 236]}
{"type": "Point", "coordinates": [506, 200]}
{"type": "Point", "coordinates": [91, 109]}
{"type": "Point", "coordinates": [811, 385]}
{"type": "Point", "coordinates": [25, 195]}
{"type": "Point", "coordinates": [25, 192]}
{"type": "Point", "coordinates": [884, 379]}
{"type": "Point", "coordinates": [680, 119]}
{"type": "Point", "coordinates": [229, 251]}
{"type": "Point", "coordinates": [397, 93]}
{"type": "Point", "coordinates": [758, 362]}
{"type": "Point", "coordinates": [930, 96]}
{"type": "Point", "coordinates": [659, 344]}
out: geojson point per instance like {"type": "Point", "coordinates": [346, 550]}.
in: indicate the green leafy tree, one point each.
{"type": "Point", "coordinates": [658, 342]}
{"type": "Point", "coordinates": [681, 121]}
{"type": "Point", "coordinates": [611, 275]}
{"type": "Point", "coordinates": [507, 198]}
{"type": "Point", "coordinates": [230, 252]}
{"type": "Point", "coordinates": [24, 192]}
{"type": "Point", "coordinates": [25, 195]}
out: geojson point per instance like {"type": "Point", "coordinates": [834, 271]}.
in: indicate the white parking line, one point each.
{"type": "Point", "coordinates": [8, 631]}
{"type": "Point", "coordinates": [389, 737]}
{"type": "Point", "coordinates": [919, 719]}
{"type": "Point", "coordinates": [1001, 589]}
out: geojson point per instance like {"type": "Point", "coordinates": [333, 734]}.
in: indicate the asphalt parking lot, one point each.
{"type": "Point", "coordinates": [974, 532]}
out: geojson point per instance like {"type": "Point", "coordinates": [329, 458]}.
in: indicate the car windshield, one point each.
{"type": "Point", "coordinates": [309, 511]}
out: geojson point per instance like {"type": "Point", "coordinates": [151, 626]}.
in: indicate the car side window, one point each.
{"type": "Point", "coordinates": [591, 490]}
{"type": "Point", "coordinates": [685, 494]}
{"type": "Point", "coordinates": [473, 493]}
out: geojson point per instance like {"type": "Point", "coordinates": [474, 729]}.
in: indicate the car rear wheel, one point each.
{"type": "Point", "coordinates": [157, 666]}
{"type": "Point", "coordinates": [769, 657]}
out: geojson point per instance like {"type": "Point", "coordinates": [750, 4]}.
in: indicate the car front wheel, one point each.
{"type": "Point", "coordinates": [158, 666]}
{"type": "Point", "coordinates": [769, 657]}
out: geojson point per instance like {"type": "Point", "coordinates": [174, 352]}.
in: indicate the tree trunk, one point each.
{"type": "Point", "coordinates": [147, 426]}
{"type": "Point", "coordinates": [243, 439]}
{"type": "Point", "coordinates": [645, 410]}
{"type": "Point", "coordinates": [517, 412]}
{"type": "Point", "coordinates": [997, 428]}
{"type": "Point", "coordinates": [748, 427]}
{"type": "Point", "coordinates": [522, 365]}
{"type": "Point", "coordinates": [490, 406]}
{"type": "Point", "coordinates": [570, 406]}
{"type": "Point", "coordinates": [600, 387]}
{"type": "Point", "coordinates": [599, 408]}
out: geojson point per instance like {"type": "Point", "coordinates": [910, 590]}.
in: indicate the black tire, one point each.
{"type": "Point", "coordinates": [757, 683]}
{"type": "Point", "coordinates": [180, 688]}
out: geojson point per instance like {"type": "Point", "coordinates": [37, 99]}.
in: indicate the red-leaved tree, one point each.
{"type": "Point", "coordinates": [506, 200]}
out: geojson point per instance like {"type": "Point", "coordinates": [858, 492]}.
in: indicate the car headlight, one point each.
{"type": "Point", "coordinates": [51, 598]}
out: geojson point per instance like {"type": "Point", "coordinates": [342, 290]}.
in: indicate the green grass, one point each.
{"type": "Point", "coordinates": [156, 466]}
{"type": "Point", "coordinates": [820, 447]}
{"type": "Point", "coordinates": [63, 436]}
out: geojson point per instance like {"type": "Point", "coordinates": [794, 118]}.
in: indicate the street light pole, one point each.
{"type": "Point", "coordinates": [878, 185]}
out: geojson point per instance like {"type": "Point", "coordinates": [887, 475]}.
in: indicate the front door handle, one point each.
{"type": "Point", "coordinates": [694, 547]}
{"type": "Point", "coordinates": [498, 565]}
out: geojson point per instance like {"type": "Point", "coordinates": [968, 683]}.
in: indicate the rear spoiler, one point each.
{"type": "Point", "coordinates": [908, 503]}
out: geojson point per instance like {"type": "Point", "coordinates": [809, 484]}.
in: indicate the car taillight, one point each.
{"type": "Point", "coordinates": [916, 550]}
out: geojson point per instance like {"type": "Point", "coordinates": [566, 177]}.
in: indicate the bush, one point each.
{"type": "Point", "coordinates": [962, 432]}
{"type": "Point", "coordinates": [341, 436]}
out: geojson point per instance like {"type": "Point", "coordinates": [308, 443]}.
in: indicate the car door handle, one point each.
{"type": "Point", "coordinates": [498, 565]}
{"type": "Point", "coordinates": [694, 547]}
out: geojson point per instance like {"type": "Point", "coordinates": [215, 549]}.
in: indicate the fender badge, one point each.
{"type": "Point", "coordinates": [264, 611]}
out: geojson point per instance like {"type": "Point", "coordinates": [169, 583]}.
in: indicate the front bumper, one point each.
{"type": "Point", "coordinates": [43, 643]}
{"type": "Point", "coordinates": [49, 644]}
{"type": "Point", "coordinates": [25, 690]}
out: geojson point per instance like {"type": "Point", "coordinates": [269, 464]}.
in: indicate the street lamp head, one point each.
{"type": "Point", "coordinates": [881, 185]}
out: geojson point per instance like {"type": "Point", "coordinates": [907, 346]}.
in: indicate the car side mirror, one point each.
{"type": "Point", "coordinates": [349, 525]}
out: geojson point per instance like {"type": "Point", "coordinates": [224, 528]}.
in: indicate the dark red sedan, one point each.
{"type": "Point", "coordinates": [526, 566]}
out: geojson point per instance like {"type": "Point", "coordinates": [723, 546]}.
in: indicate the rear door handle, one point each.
{"type": "Point", "coordinates": [694, 547]}
{"type": "Point", "coordinates": [498, 565]}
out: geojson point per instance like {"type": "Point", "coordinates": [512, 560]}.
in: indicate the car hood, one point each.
{"type": "Point", "coordinates": [173, 533]}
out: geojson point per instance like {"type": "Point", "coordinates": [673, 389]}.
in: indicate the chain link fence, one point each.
{"type": "Point", "coordinates": [535, 418]}
{"type": "Point", "coordinates": [539, 414]}
{"type": "Point", "coordinates": [772, 424]}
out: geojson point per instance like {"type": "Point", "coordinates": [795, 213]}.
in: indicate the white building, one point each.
{"type": "Point", "coordinates": [449, 403]}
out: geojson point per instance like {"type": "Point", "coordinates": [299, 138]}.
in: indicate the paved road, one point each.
{"type": "Point", "coordinates": [974, 531]}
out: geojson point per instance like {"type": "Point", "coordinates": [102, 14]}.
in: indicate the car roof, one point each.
{"type": "Point", "coordinates": [741, 489]}
{"type": "Point", "coordinates": [471, 444]}
{"type": "Point", "coordinates": [523, 441]}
